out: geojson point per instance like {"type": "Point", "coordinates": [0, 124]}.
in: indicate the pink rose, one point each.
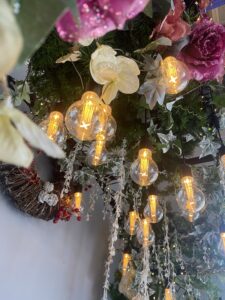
{"type": "Point", "coordinates": [97, 17]}
{"type": "Point", "coordinates": [173, 26]}
{"type": "Point", "coordinates": [204, 54]}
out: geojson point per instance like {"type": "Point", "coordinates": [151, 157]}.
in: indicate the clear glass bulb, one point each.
{"type": "Point", "coordinates": [153, 210]}
{"type": "Point", "coordinates": [82, 115]}
{"type": "Point", "coordinates": [145, 234]}
{"type": "Point", "coordinates": [131, 225]}
{"type": "Point", "coordinates": [125, 263]}
{"type": "Point", "coordinates": [53, 126]}
{"type": "Point", "coordinates": [175, 75]}
{"type": "Point", "coordinates": [169, 295]}
{"type": "Point", "coordinates": [190, 216]}
{"type": "Point", "coordinates": [144, 170]}
{"type": "Point", "coordinates": [77, 200]}
{"type": "Point", "coordinates": [105, 122]}
{"type": "Point", "coordinates": [97, 154]}
{"type": "Point", "coordinates": [189, 198]}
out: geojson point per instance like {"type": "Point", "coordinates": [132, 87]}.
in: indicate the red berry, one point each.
{"type": "Point", "coordinates": [79, 218]}
{"type": "Point", "coordinates": [77, 210]}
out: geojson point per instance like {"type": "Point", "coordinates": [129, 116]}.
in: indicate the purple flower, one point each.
{"type": "Point", "coordinates": [204, 54]}
{"type": "Point", "coordinates": [97, 17]}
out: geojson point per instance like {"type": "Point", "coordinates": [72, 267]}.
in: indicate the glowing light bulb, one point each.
{"type": "Point", "coordinates": [222, 159]}
{"type": "Point", "coordinates": [169, 294]}
{"type": "Point", "coordinates": [126, 261]}
{"type": "Point", "coordinates": [190, 199]}
{"type": "Point", "coordinates": [187, 182]}
{"type": "Point", "coordinates": [97, 154]}
{"type": "Point", "coordinates": [175, 74]}
{"type": "Point", "coordinates": [54, 127]}
{"type": "Point", "coordinates": [145, 228]}
{"type": "Point", "coordinates": [153, 210]}
{"type": "Point", "coordinates": [77, 200]}
{"type": "Point", "coordinates": [81, 116]}
{"type": "Point", "coordinates": [145, 234]}
{"type": "Point", "coordinates": [133, 217]}
{"type": "Point", "coordinates": [144, 170]}
{"type": "Point", "coordinates": [222, 236]}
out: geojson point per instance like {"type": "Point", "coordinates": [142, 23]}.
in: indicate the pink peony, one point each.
{"type": "Point", "coordinates": [173, 26]}
{"type": "Point", "coordinates": [204, 54]}
{"type": "Point", "coordinates": [97, 17]}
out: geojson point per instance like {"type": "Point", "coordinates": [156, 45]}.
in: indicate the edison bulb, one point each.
{"type": "Point", "coordinates": [153, 210]}
{"type": "Point", "coordinates": [222, 238]}
{"type": "Point", "coordinates": [175, 75]}
{"type": "Point", "coordinates": [81, 117]}
{"type": "Point", "coordinates": [144, 170]}
{"type": "Point", "coordinates": [97, 154]}
{"type": "Point", "coordinates": [190, 216]}
{"type": "Point", "coordinates": [145, 234]}
{"type": "Point", "coordinates": [169, 294]}
{"type": "Point", "coordinates": [132, 223]}
{"type": "Point", "coordinates": [105, 122]}
{"type": "Point", "coordinates": [125, 263]}
{"type": "Point", "coordinates": [189, 198]}
{"type": "Point", "coordinates": [77, 200]}
{"type": "Point", "coordinates": [53, 126]}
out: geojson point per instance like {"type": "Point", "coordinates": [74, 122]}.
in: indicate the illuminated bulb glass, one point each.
{"type": "Point", "coordinates": [105, 122]}
{"type": "Point", "coordinates": [54, 128]}
{"type": "Point", "coordinates": [132, 223]}
{"type": "Point", "coordinates": [153, 210]}
{"type": "Point", "coordinates": [77, 200]}
{"type": "Point", "coordinates": [97, 154]}
{"type": "Point", "coordinates": [145, 234]}
{"type": "Point", "coordinates": [189, 198]}
{"type": "Point", "coordinates": [125, 263]}
{"type": "Point", "coordinates": [144, 170]}
{"type": "Point", "coordinates": [169, 294]}
{"type": "Point", "coordinates": [81, 117]}
{"type": "Point", "coordinates": [222, 237]}
{"type": "Point", "coordinates": [190, 216]}
{"type": "Point", "coordinates": [175, 75]}
{"type": "Point", "coordinates": [222, 159]}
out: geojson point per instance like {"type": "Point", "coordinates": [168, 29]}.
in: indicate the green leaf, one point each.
{"type": "Point", "coordinates": [162, 41]}
{"type": "Point", "coordinates": [148, 10]}
{"type": "Point", "coordinates": [36, 19]}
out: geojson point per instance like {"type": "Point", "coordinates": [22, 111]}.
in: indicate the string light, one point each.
{"type": "Point", "coordinates": [97, 154]}
{"type": "Point", "coordinates": [133, 217]}
{"type": "Point", "coordinates": [125, 263]}
{"type": "Point", "coordinates": [77, 200]}
{"type": "Point", "coordinates": [144, 170]}
{"type": "Point", "coordinates": [153, 210]}
{"type": "Point", "coordinates": [169, 294]}
{"type": "Point", "coordinates": [175, 74]}
{"type": "Point", "coordinates": [54, 127]}
{"type": "Point", "coordinates": [81, 115]}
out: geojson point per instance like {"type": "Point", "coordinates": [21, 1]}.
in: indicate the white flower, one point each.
{"type": "Point", "coordinates": [10, 37]}
{"type": "Point", "coordinates": [86, 42]}
{"type": "Point", "coordinates": [116, 73]}
{"type": "Point", "coordinates": [73, 56]}
{"type": "Point", "coordinates": [16, 130]}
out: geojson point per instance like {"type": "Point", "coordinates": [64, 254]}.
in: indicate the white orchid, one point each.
{"type": "Point", "coordinates": [16, 130]}
{"type": "Point", "coordinates": [10, 37]}
{"type": "Point", "coordinates": [116, 73]}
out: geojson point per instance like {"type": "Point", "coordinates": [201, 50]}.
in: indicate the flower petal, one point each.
{"type": "Point", "coordinates": [109, 92]}
{"type": "Point", "coordinates": [128, 83]}
{"type": "Point", "coordinates": [13, 149]}
{"type": "Point", "coordinates": [126, 63]}
{"type": "Point", "coordinates": [32, 133]}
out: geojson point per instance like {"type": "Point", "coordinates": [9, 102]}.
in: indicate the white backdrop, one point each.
{"type": "Point", "coordinates": [43, 261]}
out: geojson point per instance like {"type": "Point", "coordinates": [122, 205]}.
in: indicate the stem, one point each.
{"type": "Point", "coordinates": [78, 73]}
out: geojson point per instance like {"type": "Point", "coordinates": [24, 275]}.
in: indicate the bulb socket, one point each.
{"type": "Point", "coordinates": [185, 170]}
{"type": "Point", "coordinates": [152, 190]}
{"type": "Point", "coordinates": [145, 142]}
{"type": "Point", "coordinates": [76, 188]}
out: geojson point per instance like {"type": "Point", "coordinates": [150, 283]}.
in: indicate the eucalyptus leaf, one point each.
{"type": "Point", "coordinates": [162, 41]}
{"type": "Point", "coordinates": [36, 19]}
{"type": "Point", "coordinates": [148, 10]}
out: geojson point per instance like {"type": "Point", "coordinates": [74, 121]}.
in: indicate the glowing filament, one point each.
{"type": "Point", "coordinates": [222, 159]}
{"type": "Point", "coordinates": [153, 204]}
{"type": "Point", "coordinates": [132, 221]}
{"type": "Point", "coordinates": [145, 230]}
{"type": "Point", "coordinates": [126, 260]}
{"type": "Point", "coordinates": [87, 114]}
{"type": "Point", "coordinates": [144, 156]}
{"type": "Point", "coordinates": [99, 147]}
{"type": "Point", "coordinates": [103, 117]}
{"type": "Point", "coordinates": [54, 124]}
{"type": "Point", "coordinates": [77, 200]}
{"type": "Point", "coordinates": [168, 294]}
{"type": "Point", "coordinates": [222, 235]}
{"type": "Point", "coordinates": [187, 182]}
